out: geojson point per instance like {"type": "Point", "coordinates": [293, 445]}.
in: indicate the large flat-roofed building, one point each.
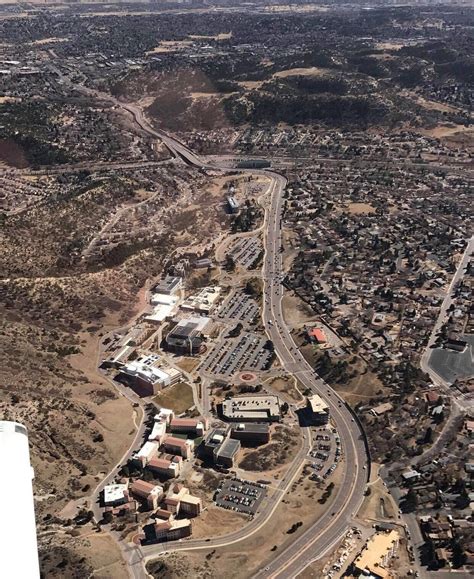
{"type": "Point", "coordinates": [168, 285]}
{"type": "Point", "coordinates": [220, 448]}
{"type": "Point", "coordinates": [205, 301]}
{"type": "Point", "coordinates": [145, 376]}
{"type": "Point", "coordinates": [186, 338]}
{"type": "Point", "coordinates": [317, 410]}
{"type": "Point", "coordinates": [226, 453]}
{"type": "Point", "coordinates": [251, 433]}
{"type": "Point", "coordinates": [115, 494]}
{"type": "Point", "coordinates": [252, 409]}
{"type": "Point", "coordinates": [197, 426]}
{"type": "Point", "coordinates": [374, 558]}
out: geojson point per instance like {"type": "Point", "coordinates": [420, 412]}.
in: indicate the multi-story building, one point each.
{"type": "Point", "coordinates": [251, 433]}
{"type": "Point", "coordinates": [145, 376]}
{"type": "Point", "coordinates": [186, 338]}
{"type": "Point", "coordinates": [148, 451]}
{"type": "Point", "coordinates": [179, 500]}
{"type": "Point", "coordinates": [317, 410]}
{"type": "Point", "coordinates": [169, 285]}
{"type": "Point", "coordinates": [169, 468]}
{"type": "Point", "coordinates": [150, 492]}
{"type": "Point", "coordinates": [219, 448]}
{"type": "Point", "coordinates": [178, 446]}
{"type": "Point", "coordinates": [252, 408]}
{"type": "Point", "coordinates": [173, 529]}
{"type": "Point", "coordinates": [197, 426]}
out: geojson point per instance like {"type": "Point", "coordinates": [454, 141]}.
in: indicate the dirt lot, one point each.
{"type": "Point", "coordinates": [241, 560]}
{"type": "Point", "coordinates": [295, 311]}
{"type": "Point", "coordinates": [215, 521]}
{"type": "Point", "coordinates": [279, 451]}
{"type": "Point", "coordinates": [178, 397]}
{"type": "Point", "coordinates": [286, 388]}
{"type": "Point", "coordinates": [88, 555]}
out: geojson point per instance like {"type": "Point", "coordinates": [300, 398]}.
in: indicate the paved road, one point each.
{"type": "Point", "coordinates": [323, 534]}
{"type": "Point", "coordinates": [442, 316]}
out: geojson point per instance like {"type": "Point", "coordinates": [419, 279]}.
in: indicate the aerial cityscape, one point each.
{"type": "Point", "coordinates": [236, 289]}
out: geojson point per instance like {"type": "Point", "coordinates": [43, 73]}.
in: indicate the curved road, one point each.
{"type": "Point", "coordinates": [323, 534]}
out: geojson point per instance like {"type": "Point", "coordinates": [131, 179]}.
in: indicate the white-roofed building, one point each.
{"type": "Point", "coordinates": [115, 494]}
{"type": "Point", "coordinates": [317, 409]}
{"type": "Point", "coordinates": [148, 451]}
{"type": "Point", "coordinates": [146, 377]}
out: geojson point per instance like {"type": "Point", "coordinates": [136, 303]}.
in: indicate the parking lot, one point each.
{"type": "Point", "coordinates": [239, 307]}
{"type": "Point", "coordinates": [240, 496]}
{"type": "Point", "coordinates": [232, 355]}
{"type": "Point", "coordinates": [245, 252]}
{"type": "Point", "coordinates": [326, 452]}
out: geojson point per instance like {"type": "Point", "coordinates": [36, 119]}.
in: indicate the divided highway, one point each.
{"type": "Point", "coordinates": [323, 534]}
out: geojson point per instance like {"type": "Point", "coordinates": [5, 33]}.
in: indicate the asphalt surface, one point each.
{"type": "Point", "coordinates": [425, 362]}
{"type": "Point", "coordinates": [323, 534]}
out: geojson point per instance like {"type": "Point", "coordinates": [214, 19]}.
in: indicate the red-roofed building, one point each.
{"type": "Point", "coordinates": [317, 335]}
{"type": "Point", "coordinates": [196, 426]}
{"type": "Point", "coordinates": [150, 492]}
{"type": "Point", "coordinates": [166, 467]}
{"type": "Point", "coordinates": [432, 397]}
{"type": "Point", "coordinates": [178, 446]}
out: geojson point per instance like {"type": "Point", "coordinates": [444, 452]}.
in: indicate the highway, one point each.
{"type": "Point", "coordinates": [324, 533]}
{"type": "Point", "coordinates": [333, 524]}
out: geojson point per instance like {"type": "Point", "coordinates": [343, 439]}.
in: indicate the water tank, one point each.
{"type": "Point", "coordinates": [18, 548]}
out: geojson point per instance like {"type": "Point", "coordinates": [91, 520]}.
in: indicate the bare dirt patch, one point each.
{"type": "Point", "coordinates": [311, 71]}
{"type": "Point", "coordinates": [286, 388]}
{"type": "Point", "coordinates": [178, 397]}
{"type": "Point", "coordinates": [360, 209]}
{"type": "Point", "coordinates": [12, 154]}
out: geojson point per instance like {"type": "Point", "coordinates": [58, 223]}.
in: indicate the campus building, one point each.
{"type": "Point", "coordinates": [166, 467]}
{"type": "Point", "coordinates": [220, 448]}
{"type": "Point", "coordinates": [204, 302]}
{"type": "Point", "coordinates": [173, 529]}
{"type": "Point", "coordinates": [145, 376]}
{"type": "Point", "coordinates": [251, 433]}
{"type": "Point", "coordinates": [168, 285]}
{"type": "Point", "coordinates": [197, 426]}
{"type": "Point", "coordinates": [252, 409]}
{"type": "Point", "coordinates": [178, 446]}
{"type": "Point", "coordinates": [148, 492]}
{"type": "Point", "coordinates": [317, 410]}
{"type": "Point", "coordinates": [186, 338]}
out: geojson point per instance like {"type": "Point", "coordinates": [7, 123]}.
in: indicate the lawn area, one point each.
{"type": "Point", "coordinates": [178, 397]}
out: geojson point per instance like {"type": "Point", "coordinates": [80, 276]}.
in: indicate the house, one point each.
{"type": "Point", "coordinates": [317, 335]}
